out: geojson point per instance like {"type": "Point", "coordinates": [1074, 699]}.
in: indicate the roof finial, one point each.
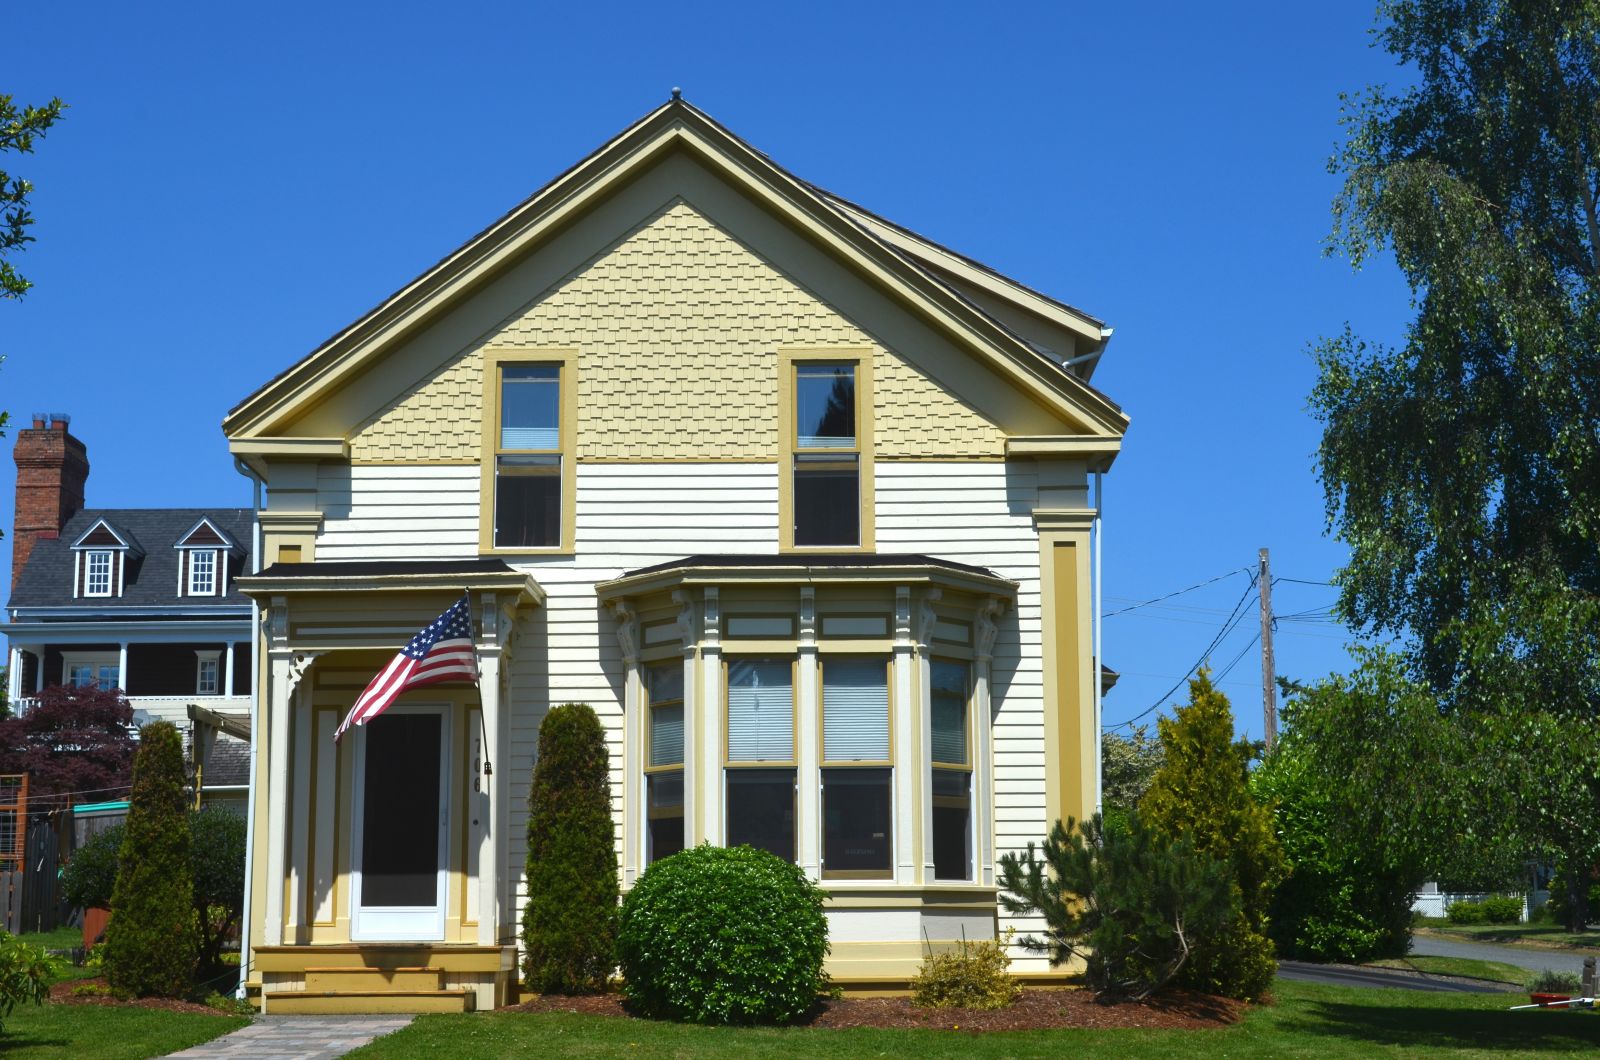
{"type": "Point", "coordinates": [677, 94]}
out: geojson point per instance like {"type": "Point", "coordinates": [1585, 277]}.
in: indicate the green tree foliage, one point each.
{"type": "Point", "coordinates": [1127, 766]}
{"type": "Point", "coordinates": [216, 850]}
{"type": "Point", "coordinates": [1462, 467]}
{"type": "Point", "coordinates": [150, 939]}
{"type": "Point", "coordinates": [723, 935]}
{"type": "Point", "coordinates": [569, 923]}
{"type": "Point", "coordinates": [1132, 904]}
{"type": "Point", "coordinates": [1202, 794]}
{"type": "Point", "coordinates": [20, 126]}
{"type": "Point", "coordinates": [1343, 900]}
{"type": "Point", "coordinates": [24, 975]}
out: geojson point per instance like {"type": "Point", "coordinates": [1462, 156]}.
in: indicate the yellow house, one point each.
{"type": "Point", "coordinates": [800, 502]}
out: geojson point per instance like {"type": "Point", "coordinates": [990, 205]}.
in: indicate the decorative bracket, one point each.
{"type": "Point", "coordinates": [927, 617]}
{"type": "Point", "coordinates": [712, 635]}
{"type": "Point", "coordinates": [299, 666]}
{"type": "Point", "coordinates": [687, 634]}
{"type": "Point", "coordinates": [627, 632]}
{"type": "Point", "coordinates": [986, 626]}
{"type": "Point", "coordinates": [807, 640]}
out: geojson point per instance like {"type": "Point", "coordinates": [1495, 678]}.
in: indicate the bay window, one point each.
{"type": "Point", "coordinates": [760, 770]}
{"type": "Point", "coordinates": [664, 762]}
{"type": "Point", "coordinates": [857, 781]}
{"type": "Point", "coordinates": [952, 770]}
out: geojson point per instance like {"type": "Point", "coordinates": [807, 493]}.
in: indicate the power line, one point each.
{"type": "Point", "coordinates": [1304, 581]}
{"type": "Point", "coordinates": [1179, 592]}
{"type": "Point", "coordinates": [1234, 618]}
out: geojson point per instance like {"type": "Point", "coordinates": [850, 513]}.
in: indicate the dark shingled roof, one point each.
{"type": "Point", "coordinates": [152, 581]}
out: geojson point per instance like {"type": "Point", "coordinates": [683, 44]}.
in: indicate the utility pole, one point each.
{"type": "Point", "coordinates": [1269, 684]}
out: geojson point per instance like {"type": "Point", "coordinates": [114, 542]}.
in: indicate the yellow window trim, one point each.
{"type": "Point", "coordinates": [787, 361]}
{"type": "Point", "coordinates": [567, 361]}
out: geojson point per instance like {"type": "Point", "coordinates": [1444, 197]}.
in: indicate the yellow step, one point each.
{"type": "Point", "coordinates": [374, 980]}
{"type": "Point", "coordinates": [365, 1002]}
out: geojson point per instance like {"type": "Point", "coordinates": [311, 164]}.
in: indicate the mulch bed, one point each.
{"type": "Point", "coordinates": [1036, 1010]}
{"type": "Point", "coordinates": [61, 994]}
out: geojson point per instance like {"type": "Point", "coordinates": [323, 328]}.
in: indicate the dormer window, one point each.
{"type": "Point", "coordinates": [97, 574]}
{"type": "Point", "coordinates": [203, 572]}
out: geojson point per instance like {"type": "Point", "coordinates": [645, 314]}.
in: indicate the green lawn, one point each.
{"type": "Point", "coordinates": [106, 1033]}
{"type": "Point", "coordinates": [1308, 1020]}
{"type": "Point", "coordinates": [1548, 936]}
{"type": "Point", "coordinates": [1463, 966]}
{"type": "Point", "coordinates": [61, 938]}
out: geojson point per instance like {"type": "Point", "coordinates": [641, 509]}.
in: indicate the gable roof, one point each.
{"type": "Point", "coordinates": [205, 534]}
{"type": "Point", "coordinates": [902, 266]}
{"type": "Point", "coordinates": [105, 534]}
{"type": "Point", "coordinates": [46, 579]}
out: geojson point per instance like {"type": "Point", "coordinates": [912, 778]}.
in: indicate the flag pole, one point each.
{"type": "Point", "coordinates": [483, 731]}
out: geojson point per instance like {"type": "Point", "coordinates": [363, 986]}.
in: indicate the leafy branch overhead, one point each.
{"type": "Point", "coordinates": [19, 128]}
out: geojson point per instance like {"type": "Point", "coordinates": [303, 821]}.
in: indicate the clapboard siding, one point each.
{"type": "Point", "coordinates": [633, 515]}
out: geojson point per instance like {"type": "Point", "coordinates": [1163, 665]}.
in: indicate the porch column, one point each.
{"type": "Point", "coordinates": [38, 672]}
{"type": "Point", "coordinates": [927, 617]}
{"type": "Point", "coordinates": [689, 638]}
{"type": "Point", "coordinates": [711, 715]}
{"type": "Point", "coordinates": [492, 635]}
{"type": "Point", "coordinates": [14, 678]}
{"type": "Point", "coordinates": [122, 666]}
{"type": "Point", "coordinates": [809, 798]}
{"type": "Point", "coordinates": [907, 765]}
{"type": "Point", "coordinates": [227, 688]}
{"type": "Point", "coordinates": [288, 668]}
{"type": "Point", "coordinates": [986, 627]}
{"type": "Point", "coordinates": [633, 808]}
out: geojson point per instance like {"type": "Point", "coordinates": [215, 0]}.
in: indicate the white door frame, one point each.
{"type": "Point", "coordinates": [401, 923]}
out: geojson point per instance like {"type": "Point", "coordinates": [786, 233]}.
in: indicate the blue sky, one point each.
{"type": "Point", "coordinates": [233, 185]}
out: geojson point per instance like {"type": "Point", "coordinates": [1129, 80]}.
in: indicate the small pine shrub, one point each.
{"type": "Point", "coordinates": [569, 924]}
{"type": "Point", "coordinates": [1202, 794]}
{"type": "Point", "coordinates": [150, 946]}
{"type": "Point", "coordinates": [975, 976]}
{"type": "Point", "coordinates": [717, 935]}
{"type": "Point", "coordinates": [1502, 909]}
{"type": "Point", "coordinates": [25, 974]}
{"type": "Point", "coordinates": [1128, 903]}
{"type": "Point", "coordinates": [1465, 913]}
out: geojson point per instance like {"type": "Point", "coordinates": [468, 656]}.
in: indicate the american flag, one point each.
{"type": "Point", "coordinates": [441, 652]}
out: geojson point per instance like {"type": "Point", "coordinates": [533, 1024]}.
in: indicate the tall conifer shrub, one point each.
{"type": "Point", "coordinates": [1202, 794]}
{"type": "Point", "coordinates": [569, 925]}
{"type": "Point", "coordinates": [150, 947]}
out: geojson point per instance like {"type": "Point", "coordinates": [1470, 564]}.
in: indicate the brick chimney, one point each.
{"type": "Point", "coordinates": [52, 467]}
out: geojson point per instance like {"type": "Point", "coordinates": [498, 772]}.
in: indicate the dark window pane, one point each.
{"type": "Point", "coordinates": [400, 811]}
{"type": "Point", "coordinates": [527, 502]}
{"type": "Point", "coordinates": [761, 810]}
{"type": "Point", "coordinates": [856, 815]}
{"type": "Point", "coordinates": [665, 795]}
{"type": "Point", "coordinates": [530, 406]}
{"type": "Point", "coordinates": [949, 707]}
{"type": "Point", "coordinates": [952, 825]}
{"type": "Point", "coordinates": [827, 502]}
{"type": "Point", "coordinates": [825, 406]}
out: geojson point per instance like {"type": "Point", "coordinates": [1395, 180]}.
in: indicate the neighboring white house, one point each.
{"type": "Point", "coordinates": [799, 501]}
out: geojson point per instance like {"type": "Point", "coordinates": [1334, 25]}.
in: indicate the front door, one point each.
{"type": "Point", "coordinates": [399, 873]}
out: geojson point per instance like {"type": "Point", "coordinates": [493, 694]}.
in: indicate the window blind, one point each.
{"type": "Point", "coordinates": [855, 710]}
{"type": "Point", "coordinates": [949, 708]}
{"type": "Point", "coordinates": [666, 735]}
{"type": "Point", "coordinates": [760, 711]}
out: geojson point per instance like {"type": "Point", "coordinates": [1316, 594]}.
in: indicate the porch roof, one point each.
{"type": "Point", "coordinates": [476, 574]}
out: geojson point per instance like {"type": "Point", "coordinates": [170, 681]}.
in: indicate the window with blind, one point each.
{"type": "Point", "coordinates": [528, 457]}
{"type": "Point", "coordinates": [760, 755]}
{"type": "Point", "coordinates": [952, 770]}
{"type": "Point", "coordinates": [857, 783]}
{"type": "Point", "coordinates": [664, 762]}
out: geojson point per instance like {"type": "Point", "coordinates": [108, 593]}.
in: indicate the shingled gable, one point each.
{"type": "Point", "coordinates": [903, 269]}
{"type": "Point", "coordinates": [205, 534]}
{"type": "Point", "coordinates": [104, 534]}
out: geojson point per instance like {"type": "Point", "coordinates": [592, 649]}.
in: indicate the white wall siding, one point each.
{"type": "Point", "coordinates": [981, 513]}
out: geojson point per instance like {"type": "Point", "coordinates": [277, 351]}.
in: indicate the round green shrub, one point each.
{"type": "Point", "coordinates": [723, 935]}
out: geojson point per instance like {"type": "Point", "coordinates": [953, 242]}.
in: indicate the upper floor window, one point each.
{"type": "Point", "coordinates": [202, 572]}
{"type": "Point", "coordinates": [528, 484]}
{"type": "Point", "coordinates": [827, 456]}
{"type": "Point", "coordinates": [97, 573]}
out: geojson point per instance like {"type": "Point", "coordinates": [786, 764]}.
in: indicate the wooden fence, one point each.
{"type": "Point", "coordinates": [30, 899]}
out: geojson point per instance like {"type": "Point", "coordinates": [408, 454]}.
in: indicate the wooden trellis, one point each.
{"type": "Point", "coordinates": [13, 822]}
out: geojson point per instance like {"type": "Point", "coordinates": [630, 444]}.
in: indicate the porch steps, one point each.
{"type": "Point", "coordinates": [366, 1002]}
{"type": "Point", "coordinates": [374, 980]}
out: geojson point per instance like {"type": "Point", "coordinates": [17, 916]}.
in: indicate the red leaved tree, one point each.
{"type": "Point", "coordinates": [73, 739]}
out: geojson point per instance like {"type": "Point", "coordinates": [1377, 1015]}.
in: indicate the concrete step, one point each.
{"type": "Point", "coordinates": [365, 1002]}
{"type": "Point", "coordinates": [374, 980]}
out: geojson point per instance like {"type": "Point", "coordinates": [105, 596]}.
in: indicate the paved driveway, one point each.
{"type": "Point", "coordinates": [1346, 975]}
{"type": "Point", "coordinates": [1534, 960]}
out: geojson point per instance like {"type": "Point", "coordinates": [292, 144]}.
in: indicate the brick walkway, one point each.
{"type": "Point", "coordinates": [297, 1038]}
